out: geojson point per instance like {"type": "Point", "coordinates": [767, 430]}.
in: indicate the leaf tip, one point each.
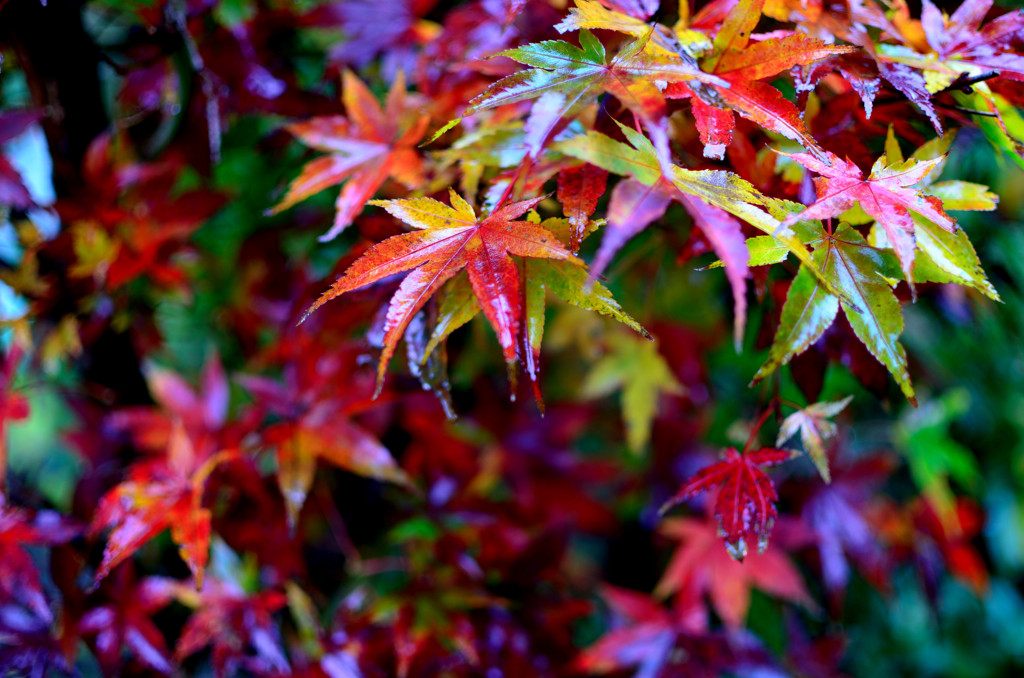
{"type": "Point", "coordinates": [308, 312]}
{"type": "Point", "coordinates": [670, 504]}
{"type": "Point", "coordinates": [441, 132]}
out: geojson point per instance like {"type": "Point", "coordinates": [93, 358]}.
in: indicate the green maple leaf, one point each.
{"type": "Point", "coordinates": [696, 190]}
{"type": "Point", "coordinates": [564, 78]}
{"type": "Point", "coordinates": [874, 312]}
{"type": "Point", "coordinates": [637, 369]}
{"type": "Point", "coordinates": [941, 256]}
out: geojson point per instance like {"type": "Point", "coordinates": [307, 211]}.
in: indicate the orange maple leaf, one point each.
{"type": "Point", "coordinates": [447, 240]}
{"type": "Point", "coordinates": [365, 148]}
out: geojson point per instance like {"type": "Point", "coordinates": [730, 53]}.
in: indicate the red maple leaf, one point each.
{"type": "Point", "coordinates": [745, 500]}
{"type": "Point", "coordinates": [238, 626]}
{"type": "Point", "coordinates": [579, 189]}
{"type": "Point", "coordinates": [129, 220]}
{"type": "Point", "coordinates": [19, 579]}
{"type": "Point", "coordinates": [365, 148]}
{"type": "Point", "coordinates": [961, 37]}
{"type": "Point", "coordinates": [701, 562]}
{"type": "Point", "coordinates": [314, 422]}
{"type": "Point", "coordinates": [126, 621]}
{"type": "Point", "coordinates": [160, 494]}
{"type": "Point", "coordinates": [886, 195]}
{"type": "Point", "coordinates": [202, 412]}
{"type": "Point", "coordinates": [662, 642]}
{"type": "Point", "coordinates": [744, 66]}
{"type": "Point", "coordinates": [448, 240]}
{"type": "Point", "coordinates": [191, 435]}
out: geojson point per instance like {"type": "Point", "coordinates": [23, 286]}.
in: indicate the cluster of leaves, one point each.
{"type": "Point", "coordinates": [246, 492]}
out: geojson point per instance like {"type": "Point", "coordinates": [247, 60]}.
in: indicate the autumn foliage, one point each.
{"type": "Point", "coordinates": [409, 338]}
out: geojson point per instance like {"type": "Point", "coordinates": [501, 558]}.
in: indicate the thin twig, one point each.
{"type": "Point", "coordinates": [337, 526]}
{"type": "Point", "coordinates": [178, 15]}
{"type": "Point", "coordinates": [964, 82]}
{"type": "Point", "coordinates": [969, 111]}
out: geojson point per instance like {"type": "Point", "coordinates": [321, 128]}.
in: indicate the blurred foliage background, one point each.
{"type": "Point", "coordinates": [967, 355]}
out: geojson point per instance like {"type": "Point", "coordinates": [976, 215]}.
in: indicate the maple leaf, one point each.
{"type": "Point", "coordinates": [629, 18]}
{"type": "Point", "coordinates": [129, 219]}
{"type": "Point", "coordinates": [913, 86]}
{"type": "Point", "coordinates": [839, 515]}
{"type": "Point", "coordinates": [448, 240]}
{"type": "Point", "coordinates": [19, 579]}
{"type": "Point", "coordinates": [814, 427]}
{"type": "Point", "coordinates": [565, 280]}
{"type": "Point", "coordinates": [962, 37]}
{"type": "Point", "coordinates": [745, 500]}
{"type": "Point", "coordinates": [742, 66]}
{"type": "Point", "coordinates": [158, 495]}
{"type": "Point", "coordinates": [315, 425]}
{"type": "Point", "coordinates": [564, 78]}
{"type": "Point", "coordinates": [943, 256]}
{"type": "Point", "coordinates": [707, 195]}
{"type": "Point", "coordinates": [701, 561]}
{"type": "Point", "coordinates": [886, 195]}
{"type": "Point", "coordinates": [661, 642]}
{"type": "Point", "coordinates": [957, 46]}
{"type": "Point", "coordinates": [314, 421]}
{"type": "Point", "coordinates": [638, 370]}
{"type": "Point", "coordinates": [126, 621]}
{"type": "Point", "coordinates": [609, 16]}
{"type": "Point", "coordinates": [239, 627]}
{"type": "Point", "coordinates": [869, 304]}
{"type": "Point", "coordinates": [322, 435]}
{"type": "Point", "coordinates": [365, 148]}
{"type": "Point", "coordinates": [201, 412]}
{"type": "Point", "coordinates": [321, 431]}
{"type": "Point", "coordinates": [859, 71]}
{"type": "Point", "coordinates": [957, 55]}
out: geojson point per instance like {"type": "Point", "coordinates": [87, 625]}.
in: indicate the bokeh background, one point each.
{"type": "Point", "coordinates": [568, 506]}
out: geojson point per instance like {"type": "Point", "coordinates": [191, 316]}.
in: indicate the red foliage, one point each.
{"type": "Point", "coordinates": [449, 531]}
